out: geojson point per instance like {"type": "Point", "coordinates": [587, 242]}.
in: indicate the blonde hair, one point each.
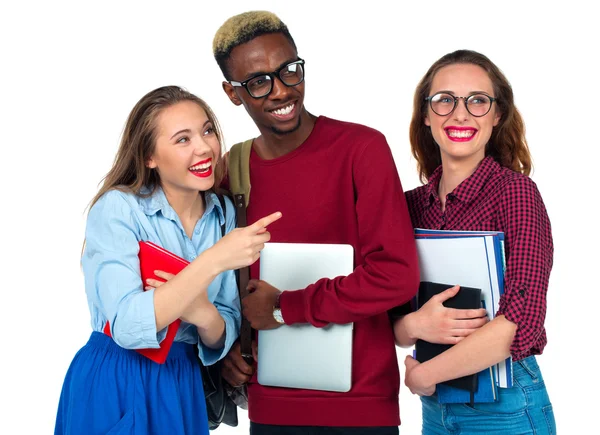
{"type": "Point", "coordinates": [129, 171]}
{"type": "Point", "coordinates": [243, 28]}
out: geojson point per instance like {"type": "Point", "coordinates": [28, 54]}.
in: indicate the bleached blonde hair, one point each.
{"type": "Point", "coordinates": [243, 28]}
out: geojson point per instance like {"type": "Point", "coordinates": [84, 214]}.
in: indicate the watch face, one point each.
{"type": "Point", "coordinates": [277, 315]}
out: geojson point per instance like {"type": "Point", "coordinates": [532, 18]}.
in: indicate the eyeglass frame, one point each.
{"type": "Point", "coordinates": [465, 99]}
{"type": "Point", "coordinates": [272, 76]}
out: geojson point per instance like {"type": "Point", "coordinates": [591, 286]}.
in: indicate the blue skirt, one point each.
{"type": "Point", "coordinates": [111, 390]}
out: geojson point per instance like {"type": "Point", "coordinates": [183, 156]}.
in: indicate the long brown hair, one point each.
{"type": "Point", "coordinates": [507, 145]}
{"type": "Point", "coordinates": [129, 171]}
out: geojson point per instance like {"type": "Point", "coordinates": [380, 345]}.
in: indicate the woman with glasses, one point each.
{"type": "Point", "coordinates": [469, 142]}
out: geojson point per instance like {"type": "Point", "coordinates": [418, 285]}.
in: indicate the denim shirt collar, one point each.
{"type": "Point", "coordinates": [157, 201]}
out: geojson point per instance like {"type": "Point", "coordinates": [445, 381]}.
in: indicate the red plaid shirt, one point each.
{"type": "Point", "coordinates": [495, 198]}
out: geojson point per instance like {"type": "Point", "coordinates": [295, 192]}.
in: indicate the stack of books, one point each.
{"type": "Point", "coordinates": [475, 261]}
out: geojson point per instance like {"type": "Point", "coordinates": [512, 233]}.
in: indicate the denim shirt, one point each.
{"type": "Point", "coordinates": [115, 292]}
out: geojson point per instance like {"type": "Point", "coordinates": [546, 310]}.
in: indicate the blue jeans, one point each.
{"type": "Point", "coordinates": [523, 409]}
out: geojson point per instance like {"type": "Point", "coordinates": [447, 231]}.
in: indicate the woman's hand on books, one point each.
{"type": "Point", "coordinates": [195, 312]}
{"type": "Point", "coordinates": [155, 283]}
{"type": "Point", "coordinates": [435, 323]}
{"type": "Point", "coordinates": [241, 247]}
{"type": "Point", "coordinates": [415, 378]}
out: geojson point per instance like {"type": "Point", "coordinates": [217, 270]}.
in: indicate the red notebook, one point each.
{"type": "Point", "coordinates": [153, 257]}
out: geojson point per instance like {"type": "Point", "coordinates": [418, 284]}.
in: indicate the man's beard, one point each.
{"type": "Point", "coordinates": [282, 132]}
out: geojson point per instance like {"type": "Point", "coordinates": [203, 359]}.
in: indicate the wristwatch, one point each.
{"type": "Point", "coordinates": [277, 311]}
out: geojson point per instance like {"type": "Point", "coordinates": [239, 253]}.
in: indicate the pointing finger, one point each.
{"type": "Point", "coordinates": [261, 224]}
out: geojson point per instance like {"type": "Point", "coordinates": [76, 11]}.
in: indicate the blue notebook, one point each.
{"type": "Point", "coordinates": [486, 390]}
{"type": "Point", "coordinates": [468, 258]}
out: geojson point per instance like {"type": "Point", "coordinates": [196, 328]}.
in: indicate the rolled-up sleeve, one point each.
{"type": "Point", "coordinates": [227, 302]}
{"type": "Point", "coordinates": [228, 305]}
{"type": "Point", "coordinates": [112, 274]}
{"type": "Point", "coordinates": [529, 257]}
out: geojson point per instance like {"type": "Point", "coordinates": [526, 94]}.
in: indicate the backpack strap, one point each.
{"type": "Point", "coordinates": [224, 208]}
{"type": "Point", "coordinates": [238, 172]}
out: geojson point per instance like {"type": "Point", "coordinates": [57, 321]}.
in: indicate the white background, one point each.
{"type": "Point", "coordinates": [71, 72]}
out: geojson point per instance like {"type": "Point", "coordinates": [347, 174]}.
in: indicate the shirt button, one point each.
{"type": "Point", "coordinates": [522, 292]}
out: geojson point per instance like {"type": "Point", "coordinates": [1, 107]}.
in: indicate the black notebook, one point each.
{"type": "Point", "coordinates": [466, 298]}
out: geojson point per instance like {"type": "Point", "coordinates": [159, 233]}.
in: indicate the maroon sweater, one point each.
{"type": "Point", "coordinates": [340, 186]}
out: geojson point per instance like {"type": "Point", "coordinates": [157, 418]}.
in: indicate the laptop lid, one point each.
{"type": "Point", "coordinates": [303, 356]}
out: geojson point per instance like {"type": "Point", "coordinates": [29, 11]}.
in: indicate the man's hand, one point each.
{"type": "Point", "coordinates": [257, 307]}
{"type": "Point", "coordinates": [234, 369]}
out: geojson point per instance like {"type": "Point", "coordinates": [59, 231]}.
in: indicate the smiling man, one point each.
{"type": "Point", "coordinates": [335, 182]}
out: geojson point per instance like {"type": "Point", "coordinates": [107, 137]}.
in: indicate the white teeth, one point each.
{"type": "Point", "coordinates": [200, 167]}
{"type": "Point", "coordinates": [284, 111]}
{"type": "Point", "coordinates": [461, 133]}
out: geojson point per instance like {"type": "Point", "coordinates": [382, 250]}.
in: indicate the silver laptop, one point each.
{"type": "Point", "coordinates": [303, 356]}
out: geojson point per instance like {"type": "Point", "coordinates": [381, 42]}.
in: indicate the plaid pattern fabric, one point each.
{"type": "Point", "coordinates": [495, 198]}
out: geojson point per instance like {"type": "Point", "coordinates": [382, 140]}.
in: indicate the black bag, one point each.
{"type": "Point", "coordinates": [220, 407]}
{"type": "Point", "coordinates": [223, 399]}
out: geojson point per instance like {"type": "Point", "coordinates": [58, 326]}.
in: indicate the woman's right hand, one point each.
{"type": "Point", "coordinates": [241, 247]}
{"type": "Point", "coordinates": [435, 323]}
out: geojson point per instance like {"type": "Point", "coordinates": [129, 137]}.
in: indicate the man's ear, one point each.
{"type": "Point", "coordinates": [231, 93]}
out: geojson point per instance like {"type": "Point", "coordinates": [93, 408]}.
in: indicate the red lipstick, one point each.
{"type": "Point", "coordinates": [202, 173]}
{"type": "Point", "coordinates": [460, 134]}
{"type": "Point", "coordinates": [201, 162]}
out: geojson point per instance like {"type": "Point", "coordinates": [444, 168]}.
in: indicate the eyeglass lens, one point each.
{"type": "Point", "coordinates": [291, 75]}
{"type": "Point", "coordinates": [477, 104]}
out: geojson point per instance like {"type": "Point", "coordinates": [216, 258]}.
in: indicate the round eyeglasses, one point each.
{"type": "Point", "coordinates": [261, 85]}
{"type": "Point", "coordinates": [443, 103]}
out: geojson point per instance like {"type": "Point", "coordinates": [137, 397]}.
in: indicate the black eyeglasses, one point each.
{"type": "Point", "coordinates": [261, 85]}
{"type": "Point", "coordinates": [443, 103]}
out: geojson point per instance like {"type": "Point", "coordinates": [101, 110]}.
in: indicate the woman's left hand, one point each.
{"type": "Point", "coordinates": [414, 379]}
{"type": "Point", "coordinates": [155, 283]}
{"type": "Point", "coordinates": [194, 312]}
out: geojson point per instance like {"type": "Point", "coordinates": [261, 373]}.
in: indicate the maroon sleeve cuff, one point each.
{"type": "Point", "coordinates": [292, 307]}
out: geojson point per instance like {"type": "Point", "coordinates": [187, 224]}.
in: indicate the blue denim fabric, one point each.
{"type": "Point", "coordinates": [115, 225]}
{"type": "Point", "coordinates": [523, 409]}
